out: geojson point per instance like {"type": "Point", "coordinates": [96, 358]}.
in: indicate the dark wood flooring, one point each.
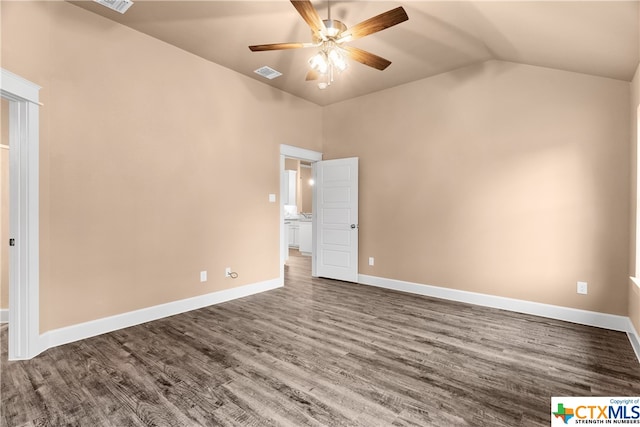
{"type": "Point", "coordinates": [321, 353]}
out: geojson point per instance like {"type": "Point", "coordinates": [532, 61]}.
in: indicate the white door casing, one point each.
{"type": "Point", "coordinates": [336, 219]}
{"type": "Point", "coordinates": [24, 333]}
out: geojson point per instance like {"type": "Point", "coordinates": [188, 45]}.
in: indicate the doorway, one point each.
{"type": "Point", "coordinates": [291, 158]}
{"type": "Point", "coordinates": [24, 341]}
{"type": "Point", "coordinates": [4, 211]}
{"type": "Point", "coordinates": [298, 206]}
{"type": "Point", "coordinates": [334, 222]}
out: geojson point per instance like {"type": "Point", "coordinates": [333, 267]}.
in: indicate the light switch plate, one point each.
{"type": "Point", "coordinates": [272, 198]}
{"type": "Point", "coordinates": [582, 288]}
{"type": "Point", "coordinates": [203, 276]}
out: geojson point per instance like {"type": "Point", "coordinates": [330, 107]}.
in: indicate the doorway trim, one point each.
{"type": "Point", "coordinates": [24, 262]}
{"type": "Point", "coordinates": [292, 152]}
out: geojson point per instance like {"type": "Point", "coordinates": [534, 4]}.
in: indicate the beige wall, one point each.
{"type": "Point", "coordinates": [634, 291]}
{"type": "Point", "coordinates": [4, 205]}
{"type": "Point", "coordinates": [140, 143]}
{"type": "Point", "coordinates": [303, 190]}
{"type": "Point", "coordinates": [499, 178]}
{"type": "Point", "coordinates": [294, 165]}
{"type": "Point", "coordinates": [291, 164]}
{"type": "Point", "coordinates": [306, 190]}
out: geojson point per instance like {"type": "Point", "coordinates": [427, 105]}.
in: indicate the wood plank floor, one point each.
{"type": "Point", "coordinates": [320, 353]}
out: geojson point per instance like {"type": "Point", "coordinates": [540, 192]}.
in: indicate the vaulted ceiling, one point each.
{"type": "Point", "coordinates": [593, 37]}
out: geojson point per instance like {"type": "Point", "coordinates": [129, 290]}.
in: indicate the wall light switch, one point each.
{"type": "Point", "coordinates": [582, 288]}
{"type": "Point", "coordinates": [203, 276]}
{"type": "Point", "coordinates": [371, 260]}
{"type": "Point", "coordinates": [272, 198]}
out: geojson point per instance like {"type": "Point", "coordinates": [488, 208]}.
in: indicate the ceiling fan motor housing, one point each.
{"type": "Point", "coordinates": [334, 29]}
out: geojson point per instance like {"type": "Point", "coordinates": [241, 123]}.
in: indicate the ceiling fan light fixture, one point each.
{"type": "Point", "coordinates": [319, 62]}
{"type": "Point", "coordinates": [337, 59]}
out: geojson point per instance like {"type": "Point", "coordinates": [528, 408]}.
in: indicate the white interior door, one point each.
{"type": "Point", "coordinates": [336, 219]}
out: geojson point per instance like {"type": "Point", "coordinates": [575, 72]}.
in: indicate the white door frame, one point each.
{"type": "Point", "coordinates": [308, 156]}
{"type": "Point", "coordinates": [24, 307]}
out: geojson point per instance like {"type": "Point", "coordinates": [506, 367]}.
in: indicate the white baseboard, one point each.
{"type": "Point", "coordinates": [81, 331]}
{"type": "Point", "coordinates": [108, 324]}
{"type": "Point", "coordinates": [4, 315]}
{"type": "Point", "coordinates": [583, 317]}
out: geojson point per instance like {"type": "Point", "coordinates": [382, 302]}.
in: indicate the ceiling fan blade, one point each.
{"type": "Point", "coordinates": [311, 17]}
{"type": "Point", "coordinates": [312, 75]}
{"type": "Point", "coordinates": [375, 24]}
{"type": "Point", "coordinates": [280, 46]}
{"type": "Point", "coordinates": [367, 58]}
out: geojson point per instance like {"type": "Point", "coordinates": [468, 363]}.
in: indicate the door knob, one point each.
{"type": "Point", "coordinates": [354, 226]}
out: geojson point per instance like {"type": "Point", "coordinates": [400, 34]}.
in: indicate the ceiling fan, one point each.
{"type": "Point", "coordinates": [330, 35]}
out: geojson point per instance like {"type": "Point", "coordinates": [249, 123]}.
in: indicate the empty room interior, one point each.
{"type": "Point", "coordinates": [367, 213]}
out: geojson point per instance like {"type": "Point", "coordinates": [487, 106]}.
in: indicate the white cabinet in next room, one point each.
{"type": "Point", "coordinates": [294, 238]}
{"type": "Point", "coordinates": [304, 234]}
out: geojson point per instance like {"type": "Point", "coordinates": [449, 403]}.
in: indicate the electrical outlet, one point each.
{"type": "Point", "coordinates": [371, 260]}
{"type": "Point", "coordinates": [227, 272]}
{"type": "Point", "coordinates": [582, 288]}
{"type": "Point", "coordinates": [203, 276]}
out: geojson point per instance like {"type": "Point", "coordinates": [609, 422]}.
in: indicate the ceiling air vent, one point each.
{"type": "Point", "coordinates": [118, 5]}
{"type": "Point", "coordinates": [268, 72]}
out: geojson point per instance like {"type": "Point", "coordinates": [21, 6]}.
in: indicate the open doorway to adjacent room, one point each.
{"type": "Point", "coordinates": [4, 211]}
{"type": "Point", "coordinates": [296, 202]}
{"type": "Point", "coordinates": [298, 206]}
{"type": "Point", "coordinates": [333, 223]}
{"type": "Point", "coordinates": [21, 243]}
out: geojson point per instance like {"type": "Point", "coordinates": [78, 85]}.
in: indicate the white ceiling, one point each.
{"type": "Point", "coordinates": [592, 37]}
